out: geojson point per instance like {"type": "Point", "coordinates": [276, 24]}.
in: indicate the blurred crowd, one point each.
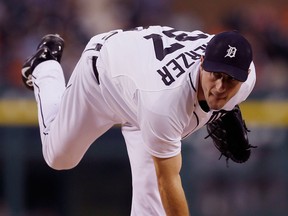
{"type": "Point", "coordinates": [23, 23]}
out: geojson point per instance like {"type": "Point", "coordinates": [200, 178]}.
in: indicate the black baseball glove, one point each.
{"type": "Point", "coordinates": [229, 134]}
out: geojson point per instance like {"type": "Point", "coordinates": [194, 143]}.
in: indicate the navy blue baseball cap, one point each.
{"type": "Point", "coordinates": [229, 53]}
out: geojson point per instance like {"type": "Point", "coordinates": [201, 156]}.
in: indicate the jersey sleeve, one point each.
{"type": "Point", "coordinates": [161, 134]}
{"type": "Point", "coordinates": [162, 118]}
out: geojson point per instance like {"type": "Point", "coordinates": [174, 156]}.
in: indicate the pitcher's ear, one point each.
{"type": "Point", "coordinates": [202, 59]}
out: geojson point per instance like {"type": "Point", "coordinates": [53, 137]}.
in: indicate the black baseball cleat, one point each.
{"type": "Point", "coordinates": [54, 43]}
{"type": "Point", "coordinates": [50, 48]}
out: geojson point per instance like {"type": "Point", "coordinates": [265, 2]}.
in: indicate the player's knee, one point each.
{"type": "Point", "coordinates": [60, 165]}
{"type": "Point", "coordinates": [60, 161]}
{"type": "Point", "coordinates": [58, 158]}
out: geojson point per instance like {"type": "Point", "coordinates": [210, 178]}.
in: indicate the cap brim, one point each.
{"type": "Point", "coordinates": [236, 73]}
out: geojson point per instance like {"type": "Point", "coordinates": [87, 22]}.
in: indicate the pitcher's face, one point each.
{"type": "Point", "coordinates": [217, 88]}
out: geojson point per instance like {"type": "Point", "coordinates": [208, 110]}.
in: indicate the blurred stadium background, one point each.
{"type": "Point", "coordinates": [101, 184]}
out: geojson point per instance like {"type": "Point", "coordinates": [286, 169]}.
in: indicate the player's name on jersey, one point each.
{"type": "Point", "coordinates": [179, 65]}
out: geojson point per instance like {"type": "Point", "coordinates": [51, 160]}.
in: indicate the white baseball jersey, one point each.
{"type": "Point", "coordinates": [149, 78]}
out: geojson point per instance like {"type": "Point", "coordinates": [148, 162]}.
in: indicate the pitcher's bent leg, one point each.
{"type": "Point", "coordinates": [71, 118]}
